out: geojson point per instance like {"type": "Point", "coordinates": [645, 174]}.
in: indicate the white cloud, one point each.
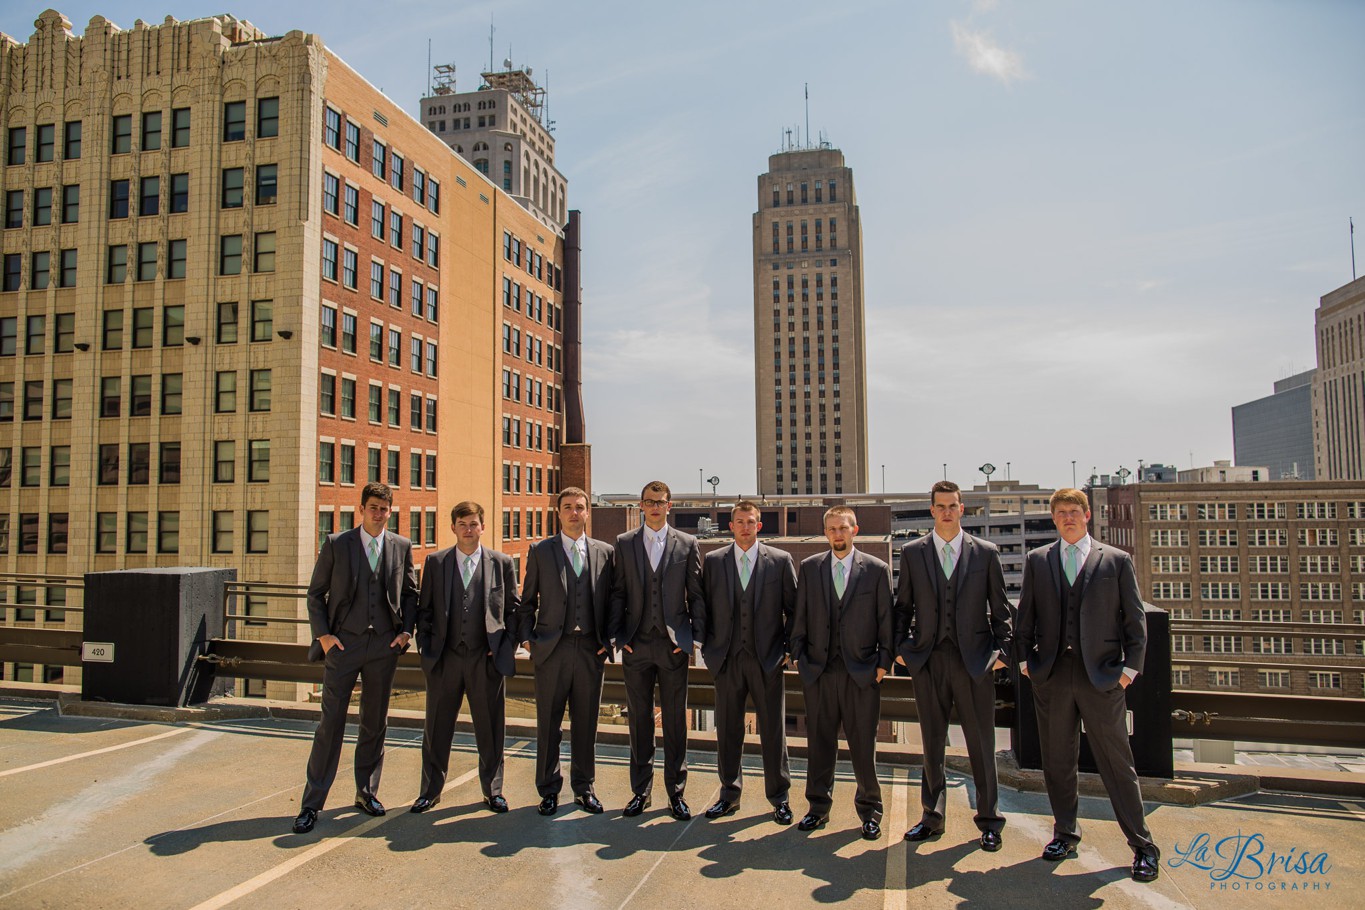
{"type": "Point", "coordinates": [985, 56]}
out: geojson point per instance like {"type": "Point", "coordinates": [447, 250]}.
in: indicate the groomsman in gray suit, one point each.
{"type": "Point", "coordinates": [750, 594]}
{"type": "Point", "coordinates": [953, 627]}
{"type": "Point", "coordinates": [841, 643]}
{"type": "Point", "coordinates": [362, 601]}
{"type": "Point", "coordinates": [1082, 637]}
{"type": "Point", "coordinates": [564, 619]}
{"type": "Point", "coordinates": [466, 634]}
{"type": "Point", "coordinates": [658, 615]}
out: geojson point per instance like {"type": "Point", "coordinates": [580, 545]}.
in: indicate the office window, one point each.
{"type": "Point", "coordinates": [233, 178]}
{"type": "Point", "coordinates": [392, 468]}
{"type": "Point", "coordinates": [418, 242]}
{"type": "Point", "coordinates": [353, 141]}
{"type": "Point", "coordinates": [431, 415]}
{"type": "Point", "coordinates": [258, 532]}
{"type": "Point", "coordinates": [13, 269]}
{"type": "Point", "coordinates": [18, 145]}
{"type": "Point", "coordinates": [267, 183]}
{"type": "Point", "coordinates": [14, 209]}
{"type": "Point", "coordinates": [59, 466]}
{"type": "Point", "coordinates": [348, 332]}
{"type": "Point", "coordinates": [433, 251]}
{"type": "Point", "coordinates": [171, 395]}
{"type": "Point", "coordinates": [169, 463]}
{"type": "Point", "coordinates": [376, 219]}
{"type": "Point", "coordinates": [331, 193]}
{"type": "Point", "coordinates": [106, 532]}
{"type": "Point", "coordinates": [136, 533]}
{"type": "Point", "coordinates": [30, 466]}
{"type": "Point", "coordinates": [328, 335]}
{"type": "Point", "coordinates": [326, 462]}
{"type": "Point", "coordinates": [178, 254]}
{"type": "Point", "coordinates": [395, 287]}
{"type": "Point", "coordinates": [262, 319]}
{"type": "Point", "coordinates": [33, 399]}
{"type": "Point", "coordinates": [415, 470]}
{"type": "Point", "coordinates": [396, 229]}
{"type": "Point", "coordinates": [395, 408]}
{"type": "Point", "coordinates": [434, 195]}
{"type": "Point", "coordinates": [377, 280]}
{"type": "Point", "coordinates": [349, 267]}
{"type": "Point", "coordinates": [350, 207]}
{"type": "Point", "coordinates": [234, 121]}
{"type": "Point", "coordinates": [331, 127]}
{"type": "Point", "coordinates": [260, 390]}
{"type": "Point", "coordinates": [39, 273]}
{"type": "Point", "coordinates": [42, 206]}
{"type": "Point", "coordinates": [267, 117]}
{"type": "Point", "coordinates": [348, 398]}
{"type": "Point", "coordinates": [112, 330]}
{"type": "Point", "coordinates": [180, 193]}
{"type": "Point", "coordinates": [329, 259]}
{"type": "Point", "coordinates": [168, 532]}
{"type": "Point", "coordinates": [140, 397]}
{"type": "Point", "coordinates": [327, 394]}
{"type": "Point", "coordinates": [225, 392]}
{"type": "Point", "coordinates": [121, 135]}
{"type": "Point", "coordinates": [395, 347]}
{"type": "Point", "coordinates": [230, 254]}
{"type": "Point", "coordinates": [46, 144]}
{"type": "Point", "coordinates": [396, 171]}
{"type": "Point", "coordinates": [227, 322]}
{"type": "Point", "coordinates": [264, 250]}
{"type": "Point", "coordinates": [222, 532]}
{"type": "Point", "coordinates": [432, 304]}
{"type": "Point", "coordinates": [151, 131]}
{"type": "Point", "coordinates": [139, 463]}
{"type": "Point", "coordinates": [416, 355]}
{"type": "Point", "coordinates": [61, 399]}
{"type": "Point", "coordinates": [71, 203]}
{"type": "Point", "coordinates": [376, 403]}
{"type": "Point", "coordinates": [111, 396]}
{"type": "Point", "coordinates": [6, 405]}
{"type": "Point", "coordinates": [416, 298]}
{"type": "Point", "coordinates": [180, 128]}
{"type": "Point", "coordinates": [71, 147]}
{"type": "Point", "coordinates": [258, 465]}
{"type": "Point", "coordinates": [377, 342]}
{"type": "Point", "coordinates": [377, 161]}
{"type": "Point", "coordinates": [431, 358]}
{"type": "Point", "coordinates": [173, 326]}
{"type": "Point", "coordinates": [118, 198]}
{"type": "Point", "coordinates": [146, 261]}
{"type": "Point", "coordinates": [431, 471]}
{"type": "Point", "coordinates": [415, 410]}
{"type": "Point", "coordinates": [347, 474]}
{"type": "Point", "coordinates": [149, 196]}
{"type": "Point", "coordinates": [66, 276]}
{"type": "Point", "coordinates": [224, 460]}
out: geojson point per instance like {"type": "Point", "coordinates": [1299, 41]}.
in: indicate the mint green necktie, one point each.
{"type": "Point", "coordinates": [744, 570]}
{"type": "Point", "coordinates": [577, 561]}
{"type": "Point", "coordinates": [838, 579]}
{"type": "Point", "coordinates": [374, 555]}
{"type": "Point", "coordinates": [467, 572]}
{"type": "Point", "coordinates": [1070, 566]}
{"type": "Point", "coordinates": [947, 560]}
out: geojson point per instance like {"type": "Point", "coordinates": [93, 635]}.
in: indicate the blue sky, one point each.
{"type": "Point", "coordinates": [1089, 229]}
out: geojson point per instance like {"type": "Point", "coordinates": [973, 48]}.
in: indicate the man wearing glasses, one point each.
{"type": "Point", "coordinates": [658, 615]}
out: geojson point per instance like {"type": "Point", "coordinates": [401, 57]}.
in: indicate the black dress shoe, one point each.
{"type": "Point", "coordinates": [423, 803]}
{"type": "Point", "coordinates": [495, 803]}
{"type": "Point", "coordinates": [369, 805]}
{"type": "Point", "coordinates": [782, 814]}
{"type": "Point", "coordinates": [638, 803]}
{"type": "Point", "coordinates": [1058, 850]}
{"type": "Point", "coordinates": [811, 821]}
{"type": "Point", "coordinates": [922, 831]}
{"type": "Point", "coordinates": [304, 821]}
{"type": "Point", "coordinates": [722, 808]}
{"type": "Point", "coordinates": [549, 805]}
{"type": "Point", "coordinates": [589, 802]}
{"type": "Point", "coordinates": [677, 807]}
{"type": "Point", "coordinates": [871, 830]}
{"type": "Point", "coordinates": [990, 841]}
{"type": "Point", "coordinates": [1145, 867]}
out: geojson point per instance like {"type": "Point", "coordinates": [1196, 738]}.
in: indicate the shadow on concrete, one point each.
{"type": "Point", "coordinates": [271, 828]}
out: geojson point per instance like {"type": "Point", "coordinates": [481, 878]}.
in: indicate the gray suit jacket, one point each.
{"type": "Point", "coordinates": [772, 578]}
{"type": "Point", "coordinates": [1113, 627]}
{"type": "Point", "coordinates": [984, 616]}
{"type": "Point", "coordinates": [865, 629]}
{"type": "Point", "coordinates": [684, 605]}
{"type": "Point", "coordinates": [542, 613]}
{"type": "Point", "coordinates": [336, 580]}
{"type": "Point", "coordinates": [439, 584]}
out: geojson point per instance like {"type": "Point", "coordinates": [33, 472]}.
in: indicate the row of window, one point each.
{"type": "Point", "coordinates": [111, 462]}
{"type": "Point", "coordinates": [336, 464]}
{"type": "Point", "coordinates": [538, 308]}
{"type": "Point", "coordinates": [420, 419]}
{"type": "Point", "coordinates": [1265, 644]}
{"type": "Point", "coordinates": [342, 134]}
{"type": "Point", "coordinates": [538, 437]}
{"type": "Point", "coordinates": [1309, 564]}
{"type": "Point", "coordinates": [343, 201]}
{"type": "Point", "coordinates": [524, 257]}
{"type": "Point", "coordinates": [138, 532]}
{"type": "Point", "coordinates": [420, 532]}
{"type": "Point", "coordinates": [150, 137]}
{"type": "Point", "coordinates": [535, 391]}
{"type": "Point", "coordinates": [231, 255]}
{"type": "Point", "coordinates": [518, 478]}
{"type": "Point", "coordinates": [805, 197]}
{"type": "Point", "coordinates": [1231, 678]}
{"type": "Point", "coordinates": [1228, 511]}
{"type": "Point", "coordinates": [538, 352]}
{"type": "Point", "coordinates": [1262, 590]}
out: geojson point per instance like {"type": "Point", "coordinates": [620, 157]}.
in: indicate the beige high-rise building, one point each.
{"type": "Point", "coordinates": [1339, 384]}
{"type": "Point", "coordinates": [810, 375]}
{"type": "Point", "coordinates": [238, 283]}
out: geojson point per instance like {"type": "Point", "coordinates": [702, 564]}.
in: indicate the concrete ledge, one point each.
{"type": "Point", "coordinates": [1194, 784]}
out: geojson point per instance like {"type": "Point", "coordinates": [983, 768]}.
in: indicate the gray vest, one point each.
{"type": "Point", "coordinates": [836, 645]}
{"type": "Point", "coordinates": [742, 623]}
{"type": "Point", "coordinates": [370, 608]}
{"type": "Point", "coordinates": [578, 595]}
{"type": "Point", "coordinates": [947, 602]}
{"type": "Point", "coordinates": [466, 623]}
{"type": "Point", "coordinates": [1072, 594]}
{"type": "Point", "coordinates": [654, 608]}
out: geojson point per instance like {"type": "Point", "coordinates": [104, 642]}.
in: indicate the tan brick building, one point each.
{"type": "Point", "coordinates": [239, 282]}
{"type": "Point", "coordinates": [1339, 384]}
{"type": "Point", "coordinates": [1265, 582]}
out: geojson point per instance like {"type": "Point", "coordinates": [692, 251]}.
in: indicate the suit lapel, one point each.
{"type": "Point", "coordinates": [965, 560]}
{"type": "Point", "coordinates": [358, 557]}
{"type": "Point", "coordinates": [642, 557]}
{"type": "Point", "coordinates": [1092, 559]}
{"type": "Point", "coordinates": [562, 564]}
{"type": "Point", "coordinates": [855, 574]}
{"type": "Point", "coordinates": [928, 550]}
{"type": "Point", "coordinates": [448, 577]}
{"type": "Point", "coordinates": [1054, 565]}
{"type": "Point", "coordinates": [757, 568]}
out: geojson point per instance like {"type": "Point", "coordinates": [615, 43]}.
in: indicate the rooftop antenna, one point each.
{"type": "Point", "coordinates": [491, 30]}
{"type": "Point", "coordinates": [807, 113]}
{"type": "Point", "coordinates": [1353, 248]}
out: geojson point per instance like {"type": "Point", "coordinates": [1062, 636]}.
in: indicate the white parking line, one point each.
{"type": "Point", "coordinates": [260, 881]}
{"type": "Point", "coordinates": [129, 745]}
{"type": "Point", "coordinates": [893, 826]}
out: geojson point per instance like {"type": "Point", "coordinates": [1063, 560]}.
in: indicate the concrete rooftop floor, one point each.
{"type": "Point", "coordinates": [103, 812]}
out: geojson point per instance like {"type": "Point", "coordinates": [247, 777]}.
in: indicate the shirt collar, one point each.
{"type": "Point", "coordinates": [652, 534]}
{"type": "Point", "coordinates": [752, 553]}
{"type": "Point", "coordinates": [847, 561]}
{"type": "Point", "coordinates": [955, 543]}
{"type": "Point", "coordinates": [570, 544]}
{"type": "Point", "coordinates": [1082, 549]}
{"type": "Point", "coordinates": [365, 538]}
{"type": "Point", "coordinates": [477, 555]}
